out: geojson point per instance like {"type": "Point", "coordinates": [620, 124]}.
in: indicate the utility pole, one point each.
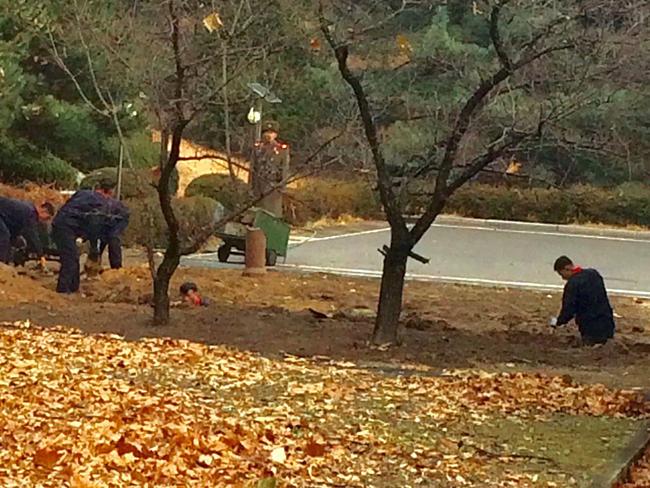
{"type": "Point", "coordinates": [120, 168]}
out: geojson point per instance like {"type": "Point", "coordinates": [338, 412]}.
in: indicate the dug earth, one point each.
{"type": "Point", "coordinates": [445, 326]}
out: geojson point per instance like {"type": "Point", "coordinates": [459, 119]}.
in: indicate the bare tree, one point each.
{"type": "Point", "coordinates": [179, 56]}
{"type": "Point", "coordinates": [545, 59]}
{"type": "Point", "coordinates": [171, 52]}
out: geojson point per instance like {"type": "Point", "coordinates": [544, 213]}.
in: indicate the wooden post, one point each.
{"type": "Point", "coordinates": [255, 258]}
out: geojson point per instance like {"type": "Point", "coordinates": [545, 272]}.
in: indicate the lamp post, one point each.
{"type": "Point", "coordinates": [132, 113]}
{"type": "Point", "coordinates": [264, 94]}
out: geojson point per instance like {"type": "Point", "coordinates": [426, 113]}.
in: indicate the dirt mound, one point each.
{"type": "Point", "coordinates": [126, 285]}
{"type": "Point", "coordinates": [285, 290]}
{"type": "Point", "coordinates": [21, 286]}
{"type": "Point", "coordinates": [32, 193]}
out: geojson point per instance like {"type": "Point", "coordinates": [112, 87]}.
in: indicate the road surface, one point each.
{"type": "Point", "coordinates": [519, 257]}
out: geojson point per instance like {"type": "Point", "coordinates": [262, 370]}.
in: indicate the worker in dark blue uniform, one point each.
{"type": "Point", "coordinates": [19, 218]}
{"type": "Point", "coordinates": [111, 234]}
{"type": "Point", "coordinates": [585, 300]}
{"type": "Point", "coordinates": [84, 216]}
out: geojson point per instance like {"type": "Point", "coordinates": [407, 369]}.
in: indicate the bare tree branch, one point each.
{"type": "Point", "coordinates": [388, 199]}
{"type": "Point", "coordinates": [495, 35]}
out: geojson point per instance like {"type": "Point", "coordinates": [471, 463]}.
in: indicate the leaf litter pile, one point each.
{"type": "Point", "coordinates": [640, 473]}
{"type": "Point", "coordinates": [98, 411]}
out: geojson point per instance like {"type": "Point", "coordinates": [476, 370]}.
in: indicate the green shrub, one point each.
{"type": "Point", "coordinates": [147, 226]}
{"type": "Point", "coordinates": [315, 198]}
{"type": "Point", "coordinates": [71, 131]}
{"type": "Point", "coordinates": [22, 162]}
{"type": "Point", "coordinates": [628, 204]}
{"type": "Point", "coordinates": [135, 183]}
{"type": "Point", "coordinates": [623, 205]}
{"type": "Point", "coordinates": [493, 202]}
{"type": "Point", "coordinates": [231, 194]}
{"type": "Point", "coordinates": [144, 153]}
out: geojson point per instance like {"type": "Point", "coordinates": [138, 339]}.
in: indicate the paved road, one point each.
{"type": "Point", "coordinates": [467, 253]}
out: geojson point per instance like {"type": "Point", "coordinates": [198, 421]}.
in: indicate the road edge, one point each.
{"type": "Point", "coordinates": [450, 280]}
{"type": "Point", "coordinates": [618, 469]}
{"type": "Point", "coordinates": [568, 229]}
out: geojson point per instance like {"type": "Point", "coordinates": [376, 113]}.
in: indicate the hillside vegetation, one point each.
{"type": "Point", "coordinates": [51, 125]}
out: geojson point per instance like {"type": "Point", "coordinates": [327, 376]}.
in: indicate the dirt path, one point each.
{"type": "Point", "coordinates": [446, 326]}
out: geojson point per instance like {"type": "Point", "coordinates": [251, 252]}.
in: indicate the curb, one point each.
{"type": "Point", "coordinates": [618, 469]}
{"type": "Point", "coordinates": [539, 227]}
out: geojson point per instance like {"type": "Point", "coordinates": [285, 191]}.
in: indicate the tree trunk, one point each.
{"type": "Point", "coordinates": [390, 296]}
{"type": "Point", "coordinates": [172, 256]}
{"type": "Point", "coordinates": [161, 289]}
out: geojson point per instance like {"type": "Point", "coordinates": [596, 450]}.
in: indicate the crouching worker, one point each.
{"type": "Point", "coordinates": [21, 219]}
{"type": "Point", "coordinates": [190, 293]}
{"type": "Point", "coordinates": [585, 300]}
{"type": "Point", "coordinates": [84, 216]}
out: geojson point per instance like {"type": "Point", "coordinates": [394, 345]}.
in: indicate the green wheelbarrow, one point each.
{"type": "Point", "coordinates": [275, 229]}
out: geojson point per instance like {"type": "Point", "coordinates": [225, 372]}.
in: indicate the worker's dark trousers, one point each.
{"type": "Point", "coordinates": [597, 331]}
{"type": "Point", "coordinates": [65, 240]}
{"type": "Point", "coordinates": [114, 245]}
{"type": "Point", "coordinates": [5, 243]}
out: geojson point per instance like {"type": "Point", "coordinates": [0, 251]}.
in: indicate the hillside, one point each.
{"type": "Point", "coordinates": [419, 62]}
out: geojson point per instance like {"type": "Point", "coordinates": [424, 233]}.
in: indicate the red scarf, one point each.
{"type": "Point", "coordinates": [577, 269]}
{"type": "Point", "coordinates": [194, 299]}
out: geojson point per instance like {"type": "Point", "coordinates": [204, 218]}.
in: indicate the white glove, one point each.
{"type": "Point", "coordinates": [553, 322]}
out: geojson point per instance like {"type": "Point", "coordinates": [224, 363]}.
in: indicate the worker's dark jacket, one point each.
{"type": "Point", "coordinates": [19, 218]}
{"type": "Point", "coordinates": [83, 215]}
{"type": "Point", "coordinates": [585, 299]}
{"type": "Point", "coordinates": [88, 215]}
{"type": "Point", "coordinates": [93, 217]}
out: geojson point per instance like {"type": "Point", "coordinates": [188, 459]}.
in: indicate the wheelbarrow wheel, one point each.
{"type": "Point", "coordinates": [271, 257]}
{"type": "Point", "coordinates": [223, 253]}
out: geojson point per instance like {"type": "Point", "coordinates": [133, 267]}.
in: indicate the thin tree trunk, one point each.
{"type": "Point", "coordinates": [172, 256]}
{"type": "Point", "coordinates": [164, 148]}
{"type": "Point", "coordinates": [161, 289]}
{"type": "Point", "coordinates": [390, 296]}
{"type": "Point", "coordinates": [226, 111]}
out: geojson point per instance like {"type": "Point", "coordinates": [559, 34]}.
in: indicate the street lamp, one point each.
{"type": "Point", "coordinates": [132, 113]}
{"type": "Point", "coordinates": [254, 116]}
{"type": "Point", "coordinates": [255, 113]}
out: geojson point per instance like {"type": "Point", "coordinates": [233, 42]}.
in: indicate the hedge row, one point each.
{"type": "Point", "coordinates": [310, 199]}
{"type": "Point", "coordinates": [316, 198]}
{"type": "Point", "coordinates": [231, 194]}
{"type": "Point", "coordinates": [628, 204]}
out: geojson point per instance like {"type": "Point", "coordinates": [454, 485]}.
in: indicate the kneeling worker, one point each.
{"type": "Point", "coordinates": [18, 218]}
{"type": "Point", "coordinates": [84, 216]}
{"type": "Point", "coordinates": [585, 299]}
